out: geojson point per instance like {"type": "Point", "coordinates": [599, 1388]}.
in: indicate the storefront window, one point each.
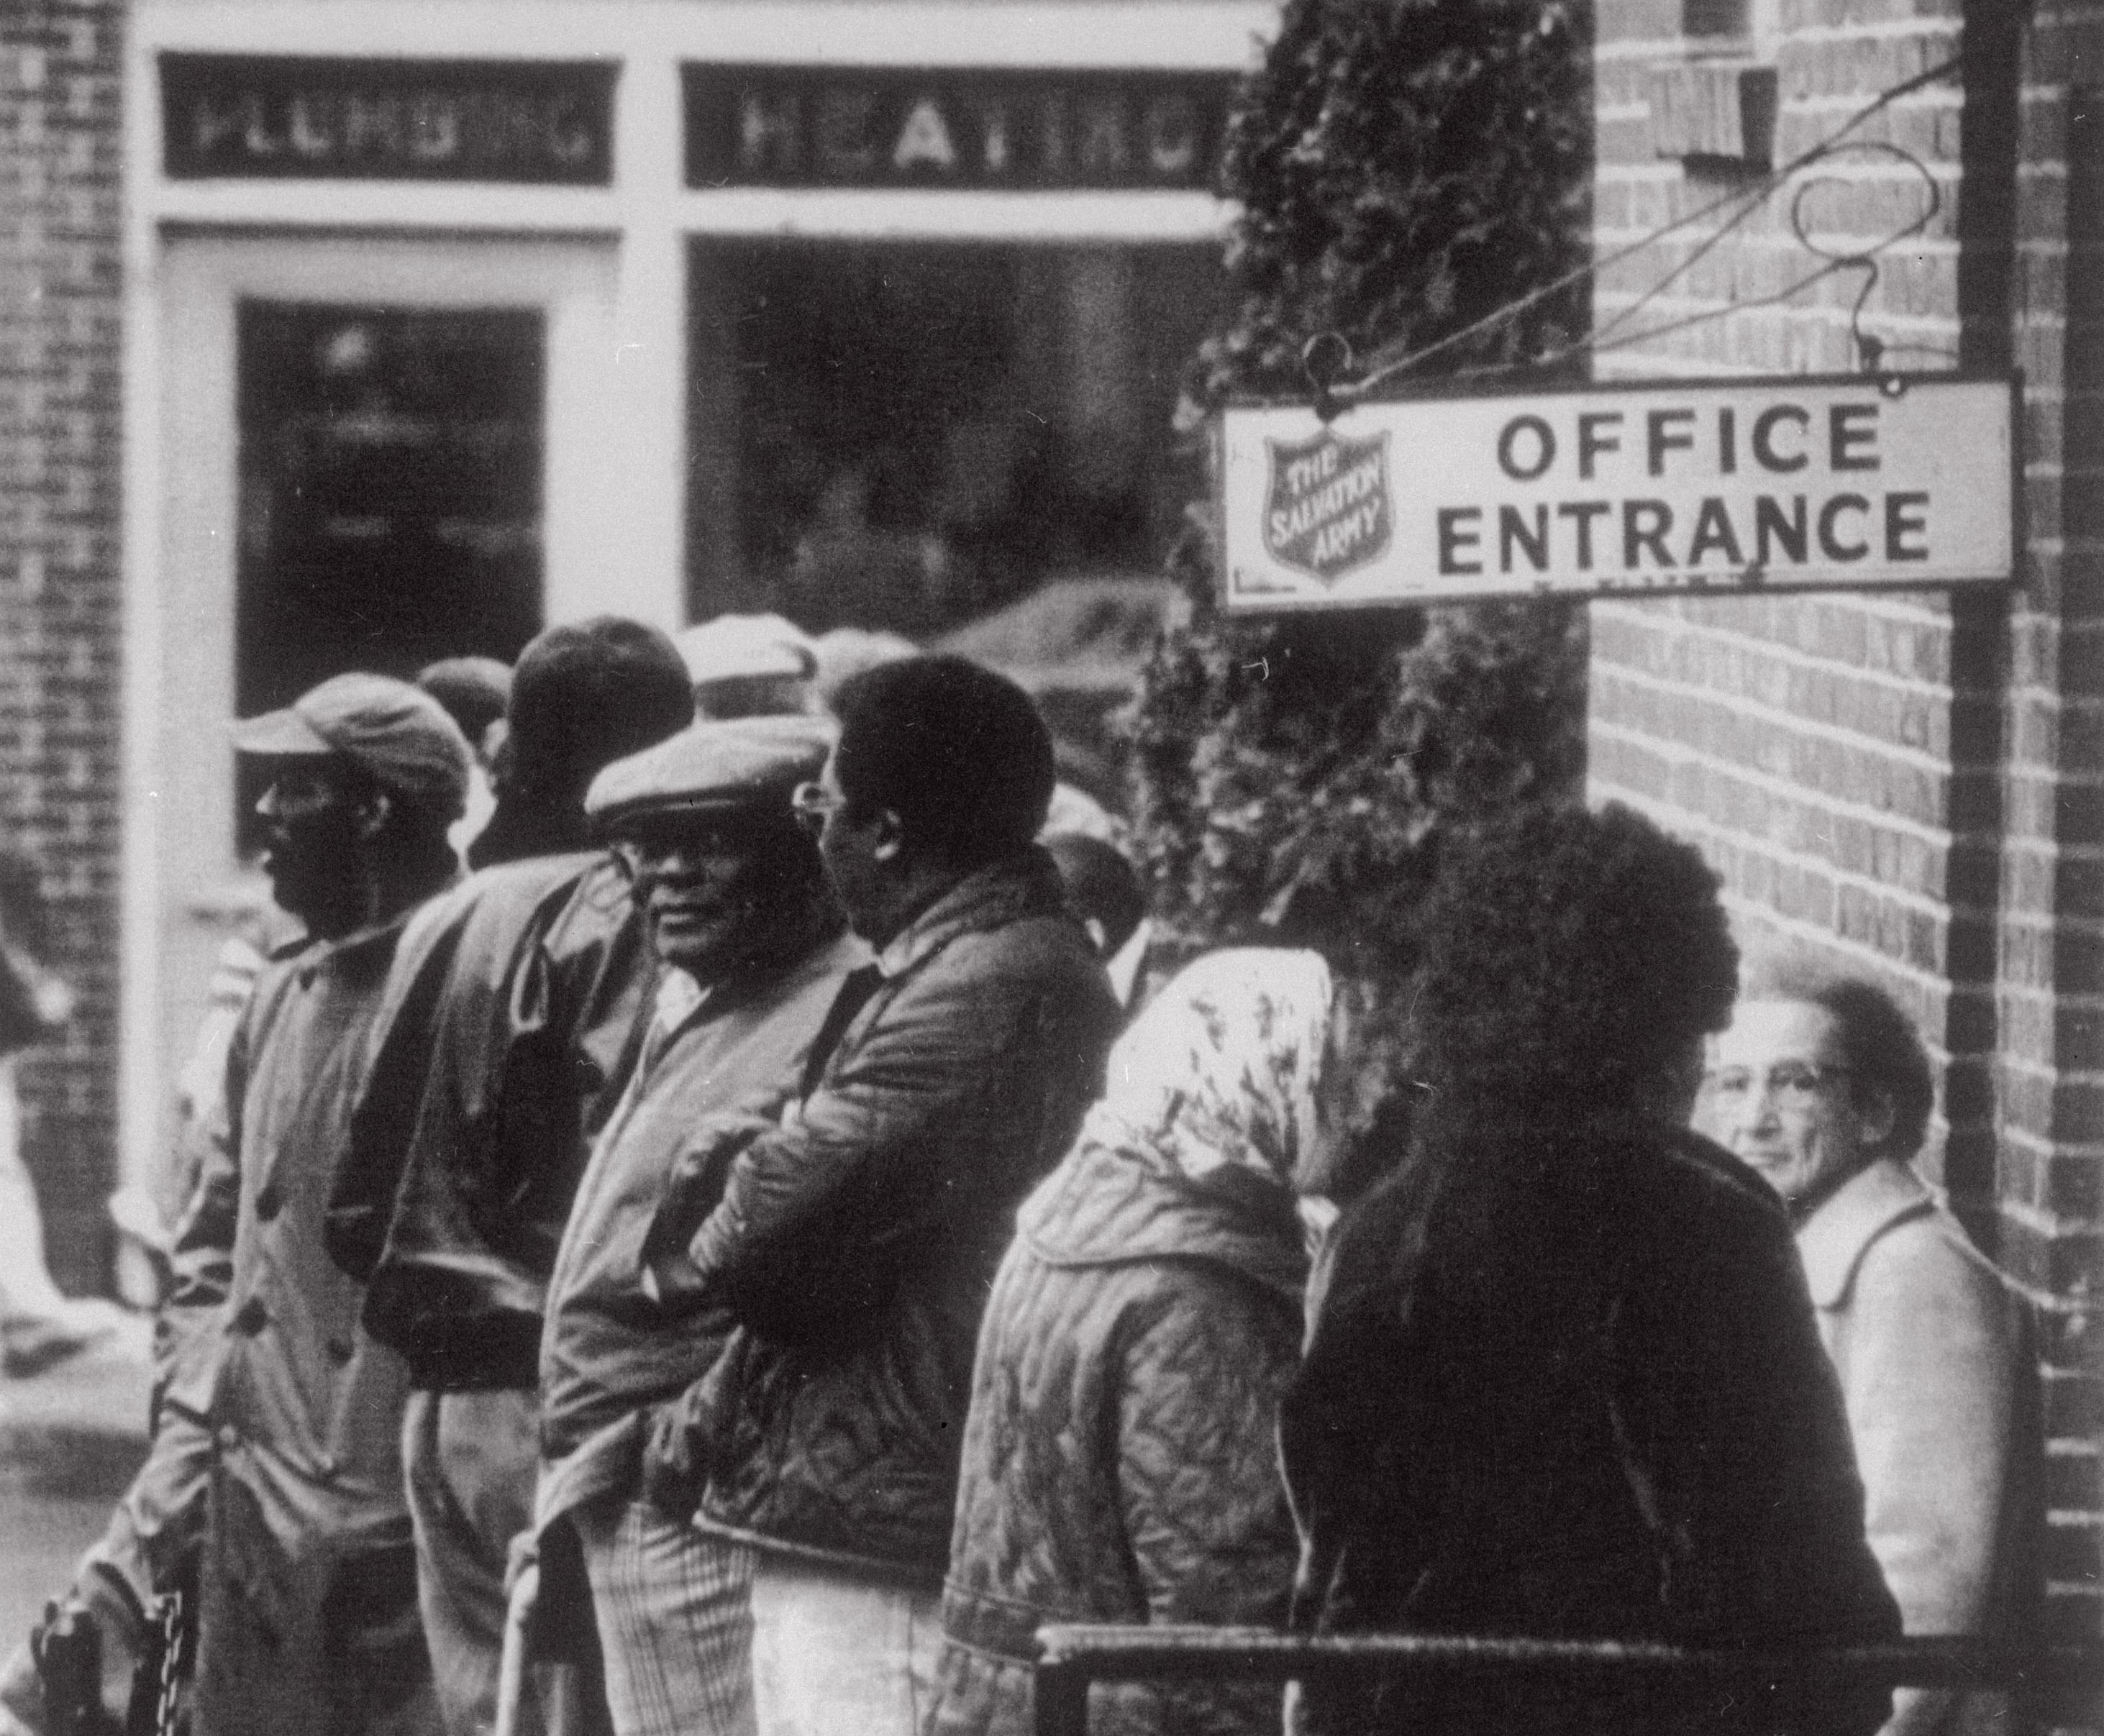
{"type": "Point", "coordinates": [909, 436]}
{"type": "Point", "coordinates": [391, 466]}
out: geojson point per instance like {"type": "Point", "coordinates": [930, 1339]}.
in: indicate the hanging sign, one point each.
{"type": "Point", "coordinates": [1734, 485]}
{"type": "Point", "coordinates": [814, 126]}
{"type": "Point", "coordinates": [274, 116]}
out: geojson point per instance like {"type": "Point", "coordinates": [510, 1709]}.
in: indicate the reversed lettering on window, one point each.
{"type": "Point", "coordinates": [274, 116]}
{"type": "Point", "coordinates": [801, 127]}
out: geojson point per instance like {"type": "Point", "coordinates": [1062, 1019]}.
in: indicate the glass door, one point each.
{"type": "Point", "coordinates": [371, 452]}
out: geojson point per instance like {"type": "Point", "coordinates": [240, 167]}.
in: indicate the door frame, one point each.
{"type": "Point", "coordinates": [187, 887]}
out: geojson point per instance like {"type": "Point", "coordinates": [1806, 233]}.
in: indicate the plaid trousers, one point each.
{"type": "Point", "coordinates": [674, 1609]}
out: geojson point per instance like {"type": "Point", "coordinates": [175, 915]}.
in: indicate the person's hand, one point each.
{"type": "Point", "coordinates": [674, 1455]}
{"type": "Point", "coordinates": [693, 1188]}
{"type": "Point", "coordinates": [695, 1182]}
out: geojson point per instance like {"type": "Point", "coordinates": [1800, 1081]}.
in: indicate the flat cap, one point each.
{"type": "Point", "coordinates": [746, 648]}
{"type": "Point", "coordinates": [743, 762]}
{"type": "Point", "coordinates": [399, 733]}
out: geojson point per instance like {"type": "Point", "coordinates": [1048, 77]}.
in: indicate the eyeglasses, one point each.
{"type": "Point", "coordinates": [641, 848]}
{"type": "Point", "coordinates": [1792, 1086]}
{"type": "Point", "coordinates": [813, 805]}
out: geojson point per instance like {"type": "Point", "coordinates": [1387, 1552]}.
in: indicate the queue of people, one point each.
{"type": "Point", "coordinates": [739, 1232]}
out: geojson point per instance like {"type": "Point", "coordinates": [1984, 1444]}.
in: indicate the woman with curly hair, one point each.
{"type": "Point", "coordinates": [1563, 1380]}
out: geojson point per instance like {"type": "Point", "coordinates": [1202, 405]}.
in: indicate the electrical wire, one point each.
{"type": "Point", "coordinates": [1379, 370]}
{"type": "Point", "coordinates": [1858, 258]}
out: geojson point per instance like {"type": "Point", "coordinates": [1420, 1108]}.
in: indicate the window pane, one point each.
{"type": "Point", "coordinates": [390, 494]}
{"type": "Point", "coordinates": [907, 436]}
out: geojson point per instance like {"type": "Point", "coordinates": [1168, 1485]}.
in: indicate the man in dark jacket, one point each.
{"type": "Point", "coordinates": [498, 1047]}
{"type": "Point", "coordinates": [853, 1243]}
{"type": "Point", "coordinates": [755, 949]}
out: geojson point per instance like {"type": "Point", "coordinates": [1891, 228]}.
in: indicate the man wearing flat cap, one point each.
{"type": "Point", "coordinates": [498, 1049]}
{"type": "Point", "coordinates": [756, 950]}
{"type": "Point", "coordinates": [308, 1616]}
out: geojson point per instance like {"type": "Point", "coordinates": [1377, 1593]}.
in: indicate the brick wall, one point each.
{"type": "Point", "coordinates": [1912, 783]}
{"type": "Point", "coordinates": [60, 76]}
{"type": "Point", "coordinates": [2051, 982]}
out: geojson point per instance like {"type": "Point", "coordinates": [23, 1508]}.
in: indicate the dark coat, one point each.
{"type": "Point", "coordinates": [1120, 1462]}
{"type": "Point", "coordinates": [854, 1244]}
{"type": "Point", "coordinates": [1567, 1384]}
{"type": "Point", "coordinates": [501, 1042]}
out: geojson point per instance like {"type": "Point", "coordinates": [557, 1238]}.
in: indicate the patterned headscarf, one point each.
{"type": "Point", "coordinates": [1221, 1068]}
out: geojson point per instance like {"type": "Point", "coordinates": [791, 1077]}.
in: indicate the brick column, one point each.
{"type": "Point", "coordinates": [1911, 783]}
{"type": "Point", "coordinates": [60, 81]}
{"type": "Point", "coordinates": [2051, 996]}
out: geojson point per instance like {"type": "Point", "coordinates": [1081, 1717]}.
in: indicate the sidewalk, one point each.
{"type": "Point", "coordinates": [70, 1438]}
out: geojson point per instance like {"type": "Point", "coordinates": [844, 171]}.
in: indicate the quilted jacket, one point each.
{"type": "Point", "coordinates": [1565, 1383]}
{"type": "Point", "coordinates": [1121, 1462]}
{"type": "Point", "coordinates": [854, 1244]}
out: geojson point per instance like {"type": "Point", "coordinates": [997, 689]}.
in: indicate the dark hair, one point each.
{"type": "Point", "coordinates": [589, 693]}
{"type": "Point", "coordinates": [1879, 1043]}
{"type": "Point", "coordinates": [1100, 884]}
{"type": "Point", "coordinates": [1569, 956]}
{"type": "Point", "coordinates": [957, 751]}
{"type": "Point", "coordinates": [475, 691]}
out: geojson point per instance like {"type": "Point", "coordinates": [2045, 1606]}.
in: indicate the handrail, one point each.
{"type": "Point", "coordinates": [1072, 1656]}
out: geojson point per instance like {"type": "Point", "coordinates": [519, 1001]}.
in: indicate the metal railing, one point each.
{"type": "Point", "coordinates": [1071, 1657]}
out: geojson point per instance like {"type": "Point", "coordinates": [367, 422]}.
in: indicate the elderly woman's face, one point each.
{"type": "Point", "coordinates": [1779, 1097]}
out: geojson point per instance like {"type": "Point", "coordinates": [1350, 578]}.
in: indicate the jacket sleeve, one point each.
{"type": "Point", "coordinates": [815, 1214]}
{"type": "Point", "coordinates": [387, 1099]}
{"type": "Point", "coordinates": [1202, 1501]}
{"type": "Point", "coordinates": [1929, 1385]}
{"type": "Point", "coordinates": [1734, 1407]}
{"type": "Point", "coordinates": [186, 1334]}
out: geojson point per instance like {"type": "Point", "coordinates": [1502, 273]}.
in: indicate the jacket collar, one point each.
{"type": "Point", "coordinates": [370, 948]}
{"type": "Point", "coordinates": [1834, 1239]}
{"type": "Point", "coordinates": [1105, 1206]}
{"type": "Point", "coordinates": [1024, 884]}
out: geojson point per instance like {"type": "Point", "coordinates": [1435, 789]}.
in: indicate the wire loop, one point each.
{"type": "Point", "coordinates": [1333, 393]}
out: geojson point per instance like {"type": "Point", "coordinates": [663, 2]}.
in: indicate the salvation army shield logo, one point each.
{"type": "Point", "coordinates": [1326, 508]}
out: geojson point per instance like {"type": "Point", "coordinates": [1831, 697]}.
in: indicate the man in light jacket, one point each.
{"type": "Point", "coordinates": [308, 1616]}
{"type": "Point", "coordinates": [754, 949]}
{"type": "Point", "coordinates": [1821, 1085]}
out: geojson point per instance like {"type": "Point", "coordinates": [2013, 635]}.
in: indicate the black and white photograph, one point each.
{"type": "Point", "coordinates": [1051, 868]}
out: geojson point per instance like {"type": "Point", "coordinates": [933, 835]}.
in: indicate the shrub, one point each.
{"type": "Point", "coordinates": [1404, 167]}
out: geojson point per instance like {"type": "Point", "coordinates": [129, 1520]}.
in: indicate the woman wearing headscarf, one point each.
{"type": "Point", "coordinates": [1119, 1460]}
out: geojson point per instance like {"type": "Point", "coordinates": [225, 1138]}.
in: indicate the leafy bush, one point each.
{"type": "Point", "coordinates": [1405, 168]}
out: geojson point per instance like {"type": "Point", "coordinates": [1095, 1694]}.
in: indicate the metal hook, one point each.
{"type": "Point", "coordinates": [1324, 358]}
{"type": "Point", "coordinates": [1869, 350]}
